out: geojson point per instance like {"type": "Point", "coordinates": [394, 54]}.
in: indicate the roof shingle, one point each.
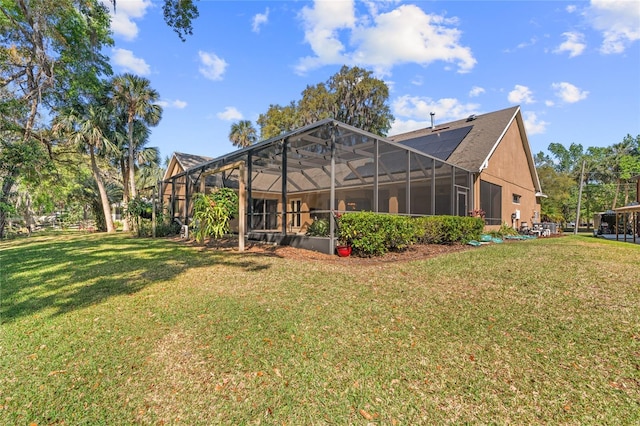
{"type": "Point", "coordinates": [476, 146]}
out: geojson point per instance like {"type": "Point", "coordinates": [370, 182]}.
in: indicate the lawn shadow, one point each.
{"type": "Point", "coordinates": [66, 273]}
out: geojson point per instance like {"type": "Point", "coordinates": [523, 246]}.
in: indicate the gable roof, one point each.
{"type": "Point", "coordinates": [188, 161]}
{"type": "Point", "coordinates": [185, 161]}
{"type": "Point", "coordinates": [469, 143]}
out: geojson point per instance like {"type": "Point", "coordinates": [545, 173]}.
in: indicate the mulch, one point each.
{"type": "Point", "coordinates": [414, 252]}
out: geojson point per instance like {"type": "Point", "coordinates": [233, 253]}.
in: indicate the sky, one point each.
{"type": "Point", "coordinates": [573, 67]}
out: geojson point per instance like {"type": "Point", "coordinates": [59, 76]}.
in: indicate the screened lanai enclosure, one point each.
{"type": "Point", "coordinates": [314, 173]}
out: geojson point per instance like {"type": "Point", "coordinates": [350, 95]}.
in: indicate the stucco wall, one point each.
{"type": "Point", "coordinates": [509, 168]}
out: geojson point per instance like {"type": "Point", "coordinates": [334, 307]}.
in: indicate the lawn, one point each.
{"type": "Point", "coordinates": [110, 329]}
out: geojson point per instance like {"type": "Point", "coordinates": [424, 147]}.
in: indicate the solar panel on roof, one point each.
{"type": "Point", "coordinates": [441, 144]}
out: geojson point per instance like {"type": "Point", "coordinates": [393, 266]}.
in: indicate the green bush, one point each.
{"type": "Point", "coordinates": [318, 228]}
{"type": "Point", "coordinates": [449, 229]}
{"type": "Point", "coordinates": [433, 230]}
{"type": "Point", "coordinates": [372, 234]}
{"type": "Point", "coordinates": [503, 231]}
{"type": "Point", "coordinates": [163, 228]}
{"type": "Point", "coordinates": [213, 212]}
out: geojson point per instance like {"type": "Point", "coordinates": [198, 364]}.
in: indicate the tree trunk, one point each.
{"type": "Point", "coordinates": [615, 196]}
{"type": "Point", "coordinates": [7, 184]}
{"type": "Point", "coordinates": [125, 194]}
{"type": "Point", "coordinates": [106, 207]}
{"type": "Point", "coordinates": [132, 177]}
{"type": "Point", "coordinates": [626, 193]}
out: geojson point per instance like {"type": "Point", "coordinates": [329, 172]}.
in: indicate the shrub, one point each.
{"type": "Point", "coordinates": [503, 231]}
{"type": "Point", "coordinates": [449, 229]}
{"type": "Point", "coordinates": [318, 228]}
{"type": "Point", "coordinates": [213, 212]}
{"type": "Point", "coordinates": [371, 234]}
{"type": "Point", "coordinates": [139, 209]}
{"type": "Point", "coordinates": [166, 229]}
{"type": "Point", "coordinates": [433, 231]}
{"type": "Point", "coordinates": [163, 228]}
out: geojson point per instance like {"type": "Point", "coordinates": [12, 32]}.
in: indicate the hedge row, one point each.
{"type": "Point", "coordinates": [371, 234]}
{"type": "Point", "coordinates": [449, 229]}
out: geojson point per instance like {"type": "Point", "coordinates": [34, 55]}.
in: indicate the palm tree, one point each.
{"type": "Point", "coordinates": [134, 97]}
{"type": "Point", "coordinates": [85, 127]}
{"type": "Point", "coordinates": [243, 134]}
{"type": "Point", "coordinates": [144, 156]}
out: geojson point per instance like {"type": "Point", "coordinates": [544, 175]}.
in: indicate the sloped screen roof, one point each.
{"type": "Point", "coordinates": [440, 144]}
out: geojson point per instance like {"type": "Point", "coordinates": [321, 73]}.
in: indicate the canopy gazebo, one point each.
{"type": "Point", "coordinates": [624, 216]}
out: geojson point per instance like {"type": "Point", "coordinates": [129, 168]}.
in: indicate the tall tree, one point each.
{"type": "Point", "coordinates": [352, 96]}
{"type": "Point", "coordinates": [315, 105]}
{"type": "Point", "coordinates": [85, 126]}
{"type": "Point", "coordinates": [134, 97]}
{"type": "Point", "coordinates": [20, 159]}
{"type": "Point", "coordinates": [50, 51]}
{"type": "Point", "coordinates": [360, 100]}
{"type": "Point", "coordinates": [242, 134]}
{"type": "Point", "coordinates": [278, 120]}
{"type": "Point", "coordinates": [560, 189]}
{"type": "Point", "coordinates": [624, 163]}
{"type": "Point", "coordinates": [178, 14]}
{"type": "Point", "coordinates": [568, 160]}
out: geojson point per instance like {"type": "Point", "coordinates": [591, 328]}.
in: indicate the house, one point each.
{"type": "Point", "coordinates": [178, 165]}
{"type": "Point", "coordinates": [480, 163]}
{"type": "Point", "coordinates": [495, 148]}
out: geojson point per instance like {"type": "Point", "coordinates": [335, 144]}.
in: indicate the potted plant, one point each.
{"type": "Point", "coordinates": [344, 247]}
{"type": "Point", "coordinates": [343, 250]}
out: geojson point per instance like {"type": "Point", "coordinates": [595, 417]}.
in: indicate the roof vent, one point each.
{"type": "Point", "coordinates": [472, 117]}
{"type": "Point", "coordinates": [433, 125]}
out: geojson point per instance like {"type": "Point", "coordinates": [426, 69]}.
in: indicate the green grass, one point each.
{"type": "Point", "coordinates": [99, 329]}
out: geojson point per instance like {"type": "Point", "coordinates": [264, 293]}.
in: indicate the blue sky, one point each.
{"type": "Point", "coordinates": [573, 67]}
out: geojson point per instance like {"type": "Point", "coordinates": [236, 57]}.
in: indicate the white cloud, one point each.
{"type": "Point", "coordinates": [177, 103]}
{"type": "Point", "coordinates": [568, 92]}
{"type": "Point", "coordinates": [321, 24]}
{"type": "Point", "coordinates": [534, 125]}
{"type": "Point", "coordinates": [122, 19]}
{"type": "Point", "coordinates": [417, 80]}
{"type": "Point", "coordinates": [574, 44]}
{"type": "Point", "coordinates": [404, 35]}
{"type": "Point", "coordinates": [403, 126]}
{"type": "Point", "coordinates": [417, 112]}
{"type": "Point", "coordinates": [522, 45]}
{"type": "Point", "coordinates": [571, 8]}
{"type": "Point", "coordinates": [230, 114]}
{"type": "Point", "coordinates": [619, 22]}
{"type": "Point", "coordinates": [476, 91]}
{"type": "Point", "coordinates": [259, 20]}
{"type": "Point", "coordinates": [521, 95]}
{"type": "Point", "coordinates": [528, 43]}
{"type": "Point", "coordinates": [126, 60]}
{"type": "Point", "coordinates": [212, 67]}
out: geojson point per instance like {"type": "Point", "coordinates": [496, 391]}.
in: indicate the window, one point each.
{"type": "Point", "coordinates": [265, 214]}
{"type": "Point", "coordinates": [295, 213]}
{"type": "Point", "coordinates": [491, 202]}
{"type": "Point", "coordinates": [516, 199]}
